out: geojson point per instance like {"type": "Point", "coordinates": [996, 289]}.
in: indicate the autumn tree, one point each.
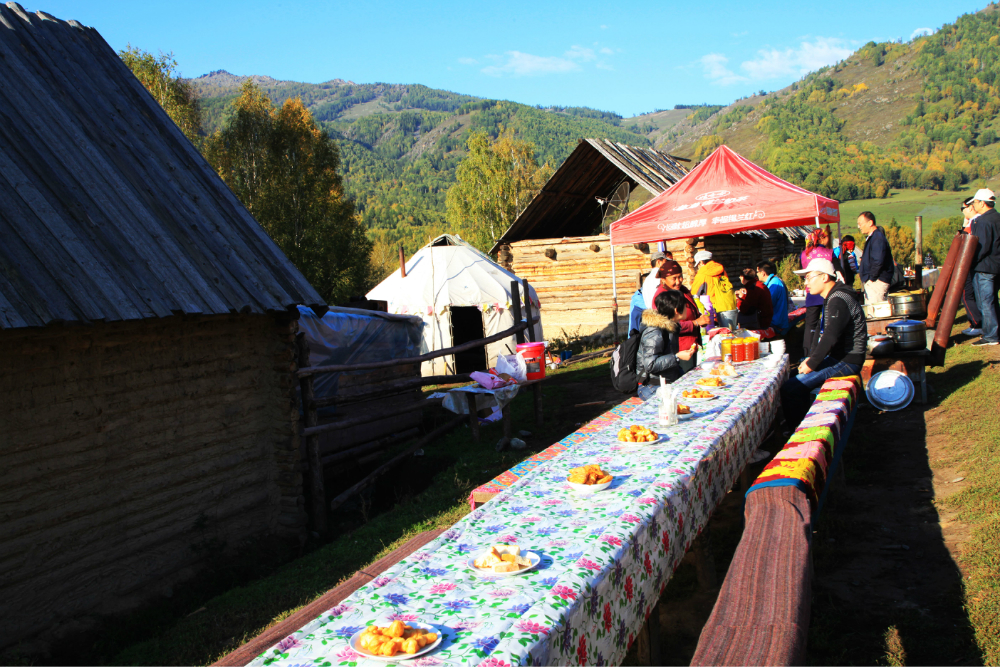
{"type": "Point", "coordinates": [901, 242]}
{"type": "Point", "coordinates": [494, 184]}
{"type": "Point", "coordinates": [174, 94]}
{"type": "Point", "coordinates": [283, 168]}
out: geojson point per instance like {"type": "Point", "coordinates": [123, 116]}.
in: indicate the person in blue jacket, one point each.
{"type": "Point", "coordinates": [876, 266]}
{"type": "Point", "coordinates": [779, 296]}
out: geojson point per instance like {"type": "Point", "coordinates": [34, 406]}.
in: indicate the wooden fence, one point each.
{"type": "Point", "coordinates": [310, 404]}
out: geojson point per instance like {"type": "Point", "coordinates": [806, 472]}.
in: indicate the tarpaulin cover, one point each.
{"type": "Point", "coordinates": [725, 194]}
{"type": "Point", "coordinates": [351, 336]}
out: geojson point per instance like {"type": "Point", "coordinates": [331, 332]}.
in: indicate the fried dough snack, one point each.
{"type": "Point", "coordinates": [683, 409]}
{"type": "Point", "coordinates": [696, 393]}
{"type": "Point", "coordinates": [589, 474]}
{"type": "Point", "coordinates": [637, 434]}
{"type": "Point", "coordinates": [397, 638]}
{"type": "Point", "coordinates": [725, 369]}
{"type": "Point", "coordinates": [711, 382]}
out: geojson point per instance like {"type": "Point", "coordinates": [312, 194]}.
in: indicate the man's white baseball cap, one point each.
{"type": "Point", "coordinates": [702, 256]}
{"type": "Point", "coordinates": [985, 194]}
{"type": "Point", "coordinates": [821, 265]}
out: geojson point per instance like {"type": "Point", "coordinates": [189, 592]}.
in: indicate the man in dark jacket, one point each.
{"type": "Point", "coordinates": [986, 265]}
{"type": "Point", "coordinates": [876, 263]}
{"type": "Point", "coordinates": [841, 347]}
{"type": "Point", "coordinates": [753, 301]}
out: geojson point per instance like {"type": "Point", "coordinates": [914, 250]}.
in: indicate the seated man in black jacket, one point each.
{"type": "Point", "coordinates": [843, 338]}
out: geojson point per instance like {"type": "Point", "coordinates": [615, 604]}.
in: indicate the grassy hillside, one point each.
{"type": "Point", "coordinates": [400, 144]}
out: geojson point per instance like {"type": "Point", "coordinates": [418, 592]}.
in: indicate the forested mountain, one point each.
{"type": "Point", "coordinates": [400, 144]}
{"type": "Point", "coordinates": [893, 115]}
{"type": "Point", "coordinates": [920, 114]}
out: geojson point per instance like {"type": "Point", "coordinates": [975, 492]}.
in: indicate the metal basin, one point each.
{"type": "Point", "coordinates": [908, 304]}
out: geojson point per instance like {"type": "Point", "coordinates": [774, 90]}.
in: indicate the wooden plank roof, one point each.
{"type": "Point", "coordinates": [107, 212]}
{"type": "Point", "coordinates": [567, 205]}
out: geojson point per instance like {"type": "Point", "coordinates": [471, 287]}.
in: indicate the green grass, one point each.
{"type": "Point", "coordinates": [204, 630]}
{"type": "Point", "coordinates": [976, 450]}
{"type": "Point", "coordinates": [906, 205]}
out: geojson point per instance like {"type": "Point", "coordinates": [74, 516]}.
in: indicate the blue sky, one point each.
{"type": "Point", "coordinates": [629, 58]}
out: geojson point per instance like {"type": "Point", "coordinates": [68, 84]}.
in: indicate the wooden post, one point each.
{"type": "Point", "coordinates": [918, 250]}
{"type": "Point", "coordinates": [314, 478]}
{"type": "Point", "coordinates": [647, 643]}
{"type": "Point", "coordinates": [704, 560]}
{"type": "Point", "coordinates": [527, 311]}
{"type": "Point", "coordinates": [402, 262]}
{"type": "Point", "coordinates": [504, 442]}
{"type": "Point", "coordinates": [473, 416]}
{"type": "Point", "coordinates": [537, 389]}
{"type": "Point", "coordinates": [515, 309]}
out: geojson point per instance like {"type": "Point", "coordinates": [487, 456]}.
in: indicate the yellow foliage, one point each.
{"type": "Point", "coordinates": [817, 97]}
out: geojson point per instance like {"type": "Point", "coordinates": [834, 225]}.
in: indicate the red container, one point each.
{"type": "Point", "coordinates": [739, 350]}
{"type": "Point", "coordinates": [534, 359]}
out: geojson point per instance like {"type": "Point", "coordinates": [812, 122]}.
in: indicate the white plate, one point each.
{"type": "Point", "coordinates": [399, 656]}
{"type": "Point", "coordinates": [590, 489]}
{"type": "Point", "coordinates": [661, 439]}
{"type": "Point", "coordinates": [488, 571]}
{"type": "Point", "coordinates": [709, 386]}
{"type": "Point", "coordinates": [688, 398]}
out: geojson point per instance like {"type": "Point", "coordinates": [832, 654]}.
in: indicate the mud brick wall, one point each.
{"type": "Point", "coordinates": [129, 449]}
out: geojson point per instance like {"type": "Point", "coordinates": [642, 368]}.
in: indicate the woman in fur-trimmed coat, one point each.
{"type": "Point", "coordinates": [659, 354]}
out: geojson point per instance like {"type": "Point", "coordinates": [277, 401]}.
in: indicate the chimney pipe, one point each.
{"type": "Point", "coordinates": [402, 262]}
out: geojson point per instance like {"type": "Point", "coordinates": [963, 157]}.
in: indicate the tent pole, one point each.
{"type": "Point", "coordinates": [614, 294]}
{"type": "Point", "coordinates": [817, 222]}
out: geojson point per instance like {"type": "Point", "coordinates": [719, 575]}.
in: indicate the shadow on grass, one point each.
{"type": "Point", "coordinates": [886, 589]}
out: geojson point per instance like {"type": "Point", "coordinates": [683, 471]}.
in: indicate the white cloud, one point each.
{"type": "Point", "coordinates": [604, 27]}
{"type": "Point", "coordinates": [468, 61]}
{"type": "Point", "coordinates": [920, 32]}
{"type": "Point", "coordinates": [580, 53]}
{"type": "Point", "coordinates": [603, 65]}
{"type": "Point", "coordinates": [810, 56]}
{"type": "Point", "coordinates": [606, 51]}
{"type": "Point", "coordinates": [518, 63]}
{"type": "Point", "coordinates": [715, 68]}
{"type": "Point", "coordinates": [740, 34]}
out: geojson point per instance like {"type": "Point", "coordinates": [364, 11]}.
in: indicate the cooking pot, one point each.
{"type": "Point", "coordinates": [880, 346]}
{"type": "Point", "coordinates": [908, 335]}
{"type": "Point", "coordinates": [908, 304]}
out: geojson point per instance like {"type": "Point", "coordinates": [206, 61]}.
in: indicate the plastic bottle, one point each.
{"type": "Point", "coordinates": [668, 404]}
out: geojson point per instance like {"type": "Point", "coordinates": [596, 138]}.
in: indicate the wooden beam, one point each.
{"type": "Point", "coordinates": [314, 477]}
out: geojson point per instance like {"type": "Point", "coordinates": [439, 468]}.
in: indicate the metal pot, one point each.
{"type": "Point", "coordinates": [908, 335]}
{"type": "Point", "coordinates": [908, 304]}
{"type": "Point", "coordinates": [880, 346]}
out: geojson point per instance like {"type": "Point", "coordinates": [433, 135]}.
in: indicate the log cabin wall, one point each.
{"type": "Point", "coordinates": [572, 277]}
{"type": "Point", "coordinates": [130, 448]}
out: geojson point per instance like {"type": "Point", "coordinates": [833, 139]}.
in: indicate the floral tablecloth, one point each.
{"type": "Point", "coordinates": [606, 558]}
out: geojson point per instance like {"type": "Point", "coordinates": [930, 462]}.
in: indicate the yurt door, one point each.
{"type": "Point", "coordinates": [466, 325]}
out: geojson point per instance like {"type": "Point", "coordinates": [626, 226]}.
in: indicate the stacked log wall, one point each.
{"type": "Point", "coordinates": [574, 283]}
{"type": "Point", "coordinates": [131, 448]}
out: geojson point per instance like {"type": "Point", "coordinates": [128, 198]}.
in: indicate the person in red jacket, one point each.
{"type": "Point", "coordinates": [753, 302]}
{"type": "Point", "coordinates": [671, 277]}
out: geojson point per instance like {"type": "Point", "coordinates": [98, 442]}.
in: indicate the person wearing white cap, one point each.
{"type": "Point", "coordinates": [986, 264]}
{"type": "Point", "coordinates": [840, 349]}
{"type": "Point", "coordinates": [711, 279]}
{"type": "Point", "coordinates": [972, 313]}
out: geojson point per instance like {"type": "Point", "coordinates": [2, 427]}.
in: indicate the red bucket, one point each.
{"type": "Point", "coordinates": [534, 359]}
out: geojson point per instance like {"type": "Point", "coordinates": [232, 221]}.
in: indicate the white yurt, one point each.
{"type": "Point", "coordinates": [462, 295]}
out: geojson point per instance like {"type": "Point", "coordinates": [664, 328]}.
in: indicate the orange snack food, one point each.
{"type": "Point", "coordinates": [637, 434]}
{"type": "Point", "coordinates": [696, 393]}
{"type": "Point", "coordinates": [589, 474]}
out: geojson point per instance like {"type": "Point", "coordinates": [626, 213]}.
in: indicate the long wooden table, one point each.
{"type": "Point", "coordinates": [605, 558]}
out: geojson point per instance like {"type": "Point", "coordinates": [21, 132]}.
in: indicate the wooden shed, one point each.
{"type": "Point", "coordinates": [147, 351]}
{"type": "Point", "coordinates": [560, 242]}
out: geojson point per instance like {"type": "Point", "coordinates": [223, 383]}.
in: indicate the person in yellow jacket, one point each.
{"type": "Point", "coordinates": [711, 279]}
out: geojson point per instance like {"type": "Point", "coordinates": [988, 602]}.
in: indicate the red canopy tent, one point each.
{"type": "Point", "coordinates": [726, 193]}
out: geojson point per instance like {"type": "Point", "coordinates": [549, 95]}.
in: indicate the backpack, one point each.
{"type": "Point", "coordinates": [623, 365]}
